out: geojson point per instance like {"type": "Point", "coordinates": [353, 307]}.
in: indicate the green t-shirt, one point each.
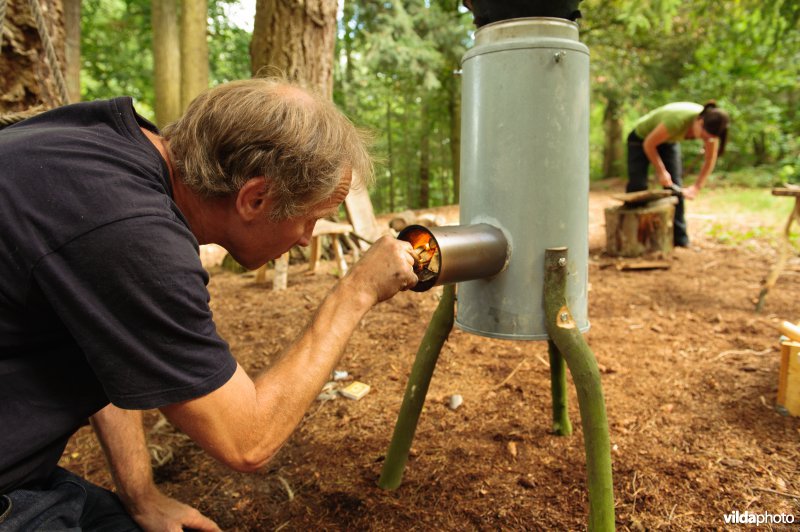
{"type": "Point", "coordinates": [677, 118]}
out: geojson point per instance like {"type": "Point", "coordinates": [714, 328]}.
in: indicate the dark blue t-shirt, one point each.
{"type": "Point", "coordinates": [102, 294]}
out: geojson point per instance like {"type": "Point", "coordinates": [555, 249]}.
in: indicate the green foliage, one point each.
{"type": "Point", "coordinates": [395, 75]}
{"type": "Point", "coordinates": [228, 46]}
{"type": "Point", "coordinates": [395, 63]}
{"type": "Point", "coordinates": [765, 216]}
{"type": "Point", "coordinates": [116, 50]}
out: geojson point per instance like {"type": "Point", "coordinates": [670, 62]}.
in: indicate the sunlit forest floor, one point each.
{"type": "Point", "coordinates": [690, 375]}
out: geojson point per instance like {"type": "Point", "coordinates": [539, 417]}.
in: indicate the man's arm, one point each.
{"type": "Point", "coordinates": [245, 422]}
{"type": "Point", "coordinates": [650, 145]}
{"type": "Point", "coordinates": [122, 437]}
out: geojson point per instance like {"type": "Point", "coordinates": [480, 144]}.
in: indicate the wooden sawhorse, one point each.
{"type": "Point", "coordinates": [785, 246]}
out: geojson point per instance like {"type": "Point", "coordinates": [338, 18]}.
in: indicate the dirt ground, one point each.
{"type": "Point", "coordinates": [689, 372]}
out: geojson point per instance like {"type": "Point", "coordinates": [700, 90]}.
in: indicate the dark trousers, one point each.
{"type": "Point", "coordinates": [638, 163]}
{"type": "Point", "coordinates": [64, 502]}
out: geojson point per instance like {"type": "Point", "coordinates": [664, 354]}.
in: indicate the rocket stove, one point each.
{"type": "Point", "coordinates": [524, 229]}
{"type": "Point", "coordinates": [524, 180]}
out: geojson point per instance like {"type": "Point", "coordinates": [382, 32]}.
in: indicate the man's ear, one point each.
{"type": "Point", "coordinates": [254, 201]}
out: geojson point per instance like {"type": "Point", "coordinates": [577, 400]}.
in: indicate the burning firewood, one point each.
{"type": "Point", "coordinates": [427, 265]}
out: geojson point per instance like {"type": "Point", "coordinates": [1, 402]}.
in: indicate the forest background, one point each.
{"type": "Point", "coordinates": [396, 72]}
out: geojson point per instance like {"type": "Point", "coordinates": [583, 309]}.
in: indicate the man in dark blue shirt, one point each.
{"type": "Point", "coordinates": [103, 301]}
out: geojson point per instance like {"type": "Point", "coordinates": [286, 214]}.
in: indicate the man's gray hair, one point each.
{"type": "Point", "coordinates": [268, 127]}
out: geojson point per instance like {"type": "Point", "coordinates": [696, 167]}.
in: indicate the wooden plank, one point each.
{"type": "Point", "coordinates": [789, 378]}
{"type": "Point", "coordinates": [643, 265]}
{"type": "Point", "coordinates": [361, 216]}
{"type": "Point", "coordinates": [642, 196]}
{"type": "Point", "coordinates": [327, 227]}
{"type": "Point", "coordinates": [793, 191]}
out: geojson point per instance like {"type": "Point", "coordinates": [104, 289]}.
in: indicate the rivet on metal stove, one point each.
{"type": "Point", "coordinates": [564, 316]}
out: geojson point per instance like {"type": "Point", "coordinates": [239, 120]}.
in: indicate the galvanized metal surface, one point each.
{"type": "Point", "coordinates": [525, 169]}
{"type": "Point", "coordinates": [465, 252]}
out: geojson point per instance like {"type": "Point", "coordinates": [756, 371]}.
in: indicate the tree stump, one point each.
{"type": "Point", "coordinates": [634, 230]}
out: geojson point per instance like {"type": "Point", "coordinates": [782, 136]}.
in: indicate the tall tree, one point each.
{"type": "Point", "coordinates": [72, 54]}
{"type": "Point", "coordinates": [194, 49]}
{"type": "Point", "coordinates": [26, 79]}
{"type": "Point", "coordinates": [298, 39]}
{"type": "Point", "coordinates": [166, 61]}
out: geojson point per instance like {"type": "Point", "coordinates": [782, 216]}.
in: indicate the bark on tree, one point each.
{"type": "Point", "coordinates": [72, 53]}
{"type": "Point", "coordinates": [194, 49]}
{"type": "Point", "coordinates": [166, 61]}
{"type": "Point", "coordinates": [612, 147]}
{"type": "Point", "coordinates": [26, 80]}
{"type": "Point", "coordinates": [297, 39]}
{"type": "Point", "coordinates": [640, 231]}
{"type": "Point", "coordinates": [424, 158]}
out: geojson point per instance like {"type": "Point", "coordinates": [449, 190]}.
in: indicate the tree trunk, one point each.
{"type": "Point", "coordinates": [166, 61]}
{"type": "Point", "coordinates": [389, 154]}
{"type": "Point", "coordinates": [298, 39]}
{"type": "Point", "coordinates": [424, 158]}
{"type": "Point", "coordinates": [72, 26]}
{"type": "Point", "coordinates": [194, 49]}
{"type": "Point", "coordinates": [612, 147]}
{"type": "Point", "coordinates": [25, 77]}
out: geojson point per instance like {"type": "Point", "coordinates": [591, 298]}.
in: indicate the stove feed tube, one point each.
{"type": "Point", "coordinates": [525, 169]}
{"type": "Point", "coordinates": [460, 253]}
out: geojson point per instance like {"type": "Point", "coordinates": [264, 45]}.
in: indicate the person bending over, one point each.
{"type": "Point", "coordinates": [655, 140]}
{"type": "Point", "coordinates": [103, 302]}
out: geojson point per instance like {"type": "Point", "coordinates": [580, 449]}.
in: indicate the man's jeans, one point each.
{"type": "Point", "coordinates": [65, 502]}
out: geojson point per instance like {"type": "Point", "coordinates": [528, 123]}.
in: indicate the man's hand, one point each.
{"type": "Point", "coordinates": [385, 269]}
{"type": "Point", "coordinates": [122, 437]}
{"type": "Point", "coordinates": [157, 512]}
{"type": "Point", "coordinates": [691, 192]}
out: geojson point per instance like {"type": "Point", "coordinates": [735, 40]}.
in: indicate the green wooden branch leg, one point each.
{"type": "Point", "coordinates": [558, 390]}
{"type": "Point", "coordinates": [428, 353]}
{"type": "Point", "coordinates": [563, 331]}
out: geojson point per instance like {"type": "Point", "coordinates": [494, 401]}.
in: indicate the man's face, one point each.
{"type": "Point", "coordinates": [265, 239]}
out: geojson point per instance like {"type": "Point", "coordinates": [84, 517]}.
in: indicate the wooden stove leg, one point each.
{"type": "Point", "coordinates": [558, 391]}
{"type": "Point", "coordinates": [564, 333]}
{"type": "Point", "coordinates": [417, 388]}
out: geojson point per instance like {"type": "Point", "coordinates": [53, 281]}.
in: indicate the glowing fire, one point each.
{"type": "Point", "coordinates": [426, 250]}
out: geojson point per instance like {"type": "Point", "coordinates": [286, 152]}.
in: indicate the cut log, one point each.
{"type": "Point", "coordinates": [640, 231]}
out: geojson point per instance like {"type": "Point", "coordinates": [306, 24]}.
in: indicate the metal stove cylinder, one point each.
{"type": "Point", "coordinates": [525, 168]}
{"type": "Point", "coordinates": [462, 252]}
